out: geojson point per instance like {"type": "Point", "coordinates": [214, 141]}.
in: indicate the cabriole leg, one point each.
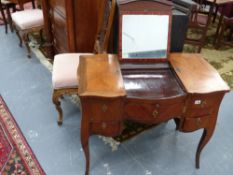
{"type": "Point", "coordinates": [26, 41]}
{"type": "Point", "coordinates": [57, 104]}
{"type": "Point", "coordinates": [85, 145]}
{"type": "Point", "coordinates": [207, 134]}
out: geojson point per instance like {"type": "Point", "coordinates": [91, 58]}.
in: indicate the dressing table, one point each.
{"type": "Point", "coordinates": [146, 83]}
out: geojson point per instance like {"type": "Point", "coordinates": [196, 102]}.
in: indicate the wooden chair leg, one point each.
{"type": "Point", "coordinates": [41, 36]}
{"type": "Point", "coordinates": [20, 39]}
{"type": "Point", "coordinates": [9, 18]}
{"type": "Point", "coordinates": [218, 28]}
{"type": "Point", "coordinates": [215, 13]}
{"type": "Point", "coordinates": [57, 104]}
{"type": "Point", "coordinates": [199, 49]}
{"type": "Point", "coordinates": [4, 20]}
{"type": "Point", "coordinates": [14, 8]}
{"type": "Point", "coordinates": [33, 4]}
{"type": "Point", "coordinates": [230, 34]}
{"type": "Point", "coordinates": [26, 42]}
{"type": "Point", "coordinates": [220, 36]}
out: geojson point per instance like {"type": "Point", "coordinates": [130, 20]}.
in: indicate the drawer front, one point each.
{"type": "Point", "coordinates": [192, 124]}
{"type": "Point", "coordinates": [152, 112]}
{"type": "Point", "coordinates": [202, 101]}
{"type": "Point", "coordinates": [106, 128]}
{"type": "Point", "coordinates": [202, 105]}
{"type": "Point", "coordinates": [106, 109]}
{"type": "Point", "coordinates": [199, 112]}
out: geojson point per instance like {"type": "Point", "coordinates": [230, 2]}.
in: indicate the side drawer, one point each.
{"type": "Point", "coordinates": [201, 101]}
{"type": "Point", "coordinates": [192, 124]}
{"type": "Point", "coordinates": [199, 112]}
{"type": "Point", "coordinates": [106, 109]}
{"type": "Point", "coordinates": [202, 105]}
{"type": "Point", "coordinates": [106, 128]}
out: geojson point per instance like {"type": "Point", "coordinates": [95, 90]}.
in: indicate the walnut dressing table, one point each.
{"type": "Point", "coordinates": [188, 90]}
{"type": "Point", "coordinates": [146, 83]}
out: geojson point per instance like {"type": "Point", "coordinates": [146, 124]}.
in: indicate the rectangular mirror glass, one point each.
{"type": "Point", "coordinates": [145, 36]}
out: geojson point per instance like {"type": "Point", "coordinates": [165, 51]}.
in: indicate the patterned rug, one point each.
{"type": "Point", "coordinates": [16, 157]}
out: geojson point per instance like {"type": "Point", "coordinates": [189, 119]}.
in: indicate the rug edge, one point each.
{"type": "Point", "coordinates": [37, 163]}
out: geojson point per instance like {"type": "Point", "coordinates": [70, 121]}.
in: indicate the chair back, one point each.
{"type": "Point", "coordinates": [105, 26]}
{"type": "Point", "coordinates": [201, 9]}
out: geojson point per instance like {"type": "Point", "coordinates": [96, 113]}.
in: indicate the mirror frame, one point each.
{"type": "Point", "coordinates": [144, 13]}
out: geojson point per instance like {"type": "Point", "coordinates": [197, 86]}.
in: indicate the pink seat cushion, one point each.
{"type": "Point", "coordinates": [27, 19]}
{"type": "Point", "coordinates": [202, 19]}
{"type": "Point", "coordinates": [65, 68]}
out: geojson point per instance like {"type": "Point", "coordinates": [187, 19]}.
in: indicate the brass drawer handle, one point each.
{"type": "Point", "coordinates": [155, 114]}
{"type": "Point", "coordinates": [203, 104]}
{"type": "Point", "coordinates": [104, 125]}
{"type": "Point", "coordinates": [104, 108]}
{"type": "Point", "coordinates": [198, 122]}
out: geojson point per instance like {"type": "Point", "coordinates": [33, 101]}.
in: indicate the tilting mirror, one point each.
{"type": "Point", "coordinates": [145, 36]}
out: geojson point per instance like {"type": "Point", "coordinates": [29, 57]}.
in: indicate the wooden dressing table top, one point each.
{"type": "Point", "coordinates": [100, 75]}
{"type": "Point", "coordinates": [190, 94]}
{"type": "Point", "coordinates": [196, 74]}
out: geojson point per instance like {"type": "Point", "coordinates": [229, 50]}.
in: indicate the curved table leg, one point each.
{"type": "Point", "coordinates": [207, 134]}
{"type": "Point", "coordinates": [85, 143]}
{"type": "Point", "coordinates": [177, 122]}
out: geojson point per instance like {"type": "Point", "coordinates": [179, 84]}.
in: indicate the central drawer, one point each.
{"type": "Point", "coordinates": [153, 111]}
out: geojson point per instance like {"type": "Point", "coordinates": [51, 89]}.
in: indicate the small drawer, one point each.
{"type": "Point", "coordinates": [199, 112]}
{"type": "Point", "coordinates": [106, 128]}
{"type": "Point", "coordinates": [153, 112]}
{"type": "Point", "coordinates": [202, 101]}
{"type": "Point", "coordinates": [106, 109]}
{"type": "Point", "coordinates": [192, 124]}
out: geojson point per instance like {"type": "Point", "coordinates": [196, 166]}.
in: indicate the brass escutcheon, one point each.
{"type": "Point", "coordinates": [155, 113]}
{"type": "Point", "coordinates": [104, 108]}
{"type": "Point", "coordinates": [203, 104]}
{"type": "Point", "coordinates": [198, 122]}
{"type": "Point", "coordinates": [104, 125]}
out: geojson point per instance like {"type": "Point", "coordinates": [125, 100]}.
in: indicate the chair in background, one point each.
{"type": "Point", "coordinates": [225, 11]}
{"type": "Point", "coordinates": [7, 6]}
{"type": "Point", "coordinates": [64, 75]}
{"type": "Point", "coordinates": [26, 22]}
{"type": "Point", "coordinates": [227, 24]}
{"type": "Point", "coordinates": [200, 20]}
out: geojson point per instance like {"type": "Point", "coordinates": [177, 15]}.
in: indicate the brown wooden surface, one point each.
{"type": "Point", "coordinates": [155, 7]}
{"type": "Point", "coordinates": [196, 74]}
{"type": "Point", "coordinates": [21, 2]}
{"type": "Point", "coordinates": [192, 109]}
{"type": "Point", "coordinates": [72, 24]}
{"type": "Point", "coordinates": [108, 83]}
{"type": "Point", "coordinates": [151, 84]}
